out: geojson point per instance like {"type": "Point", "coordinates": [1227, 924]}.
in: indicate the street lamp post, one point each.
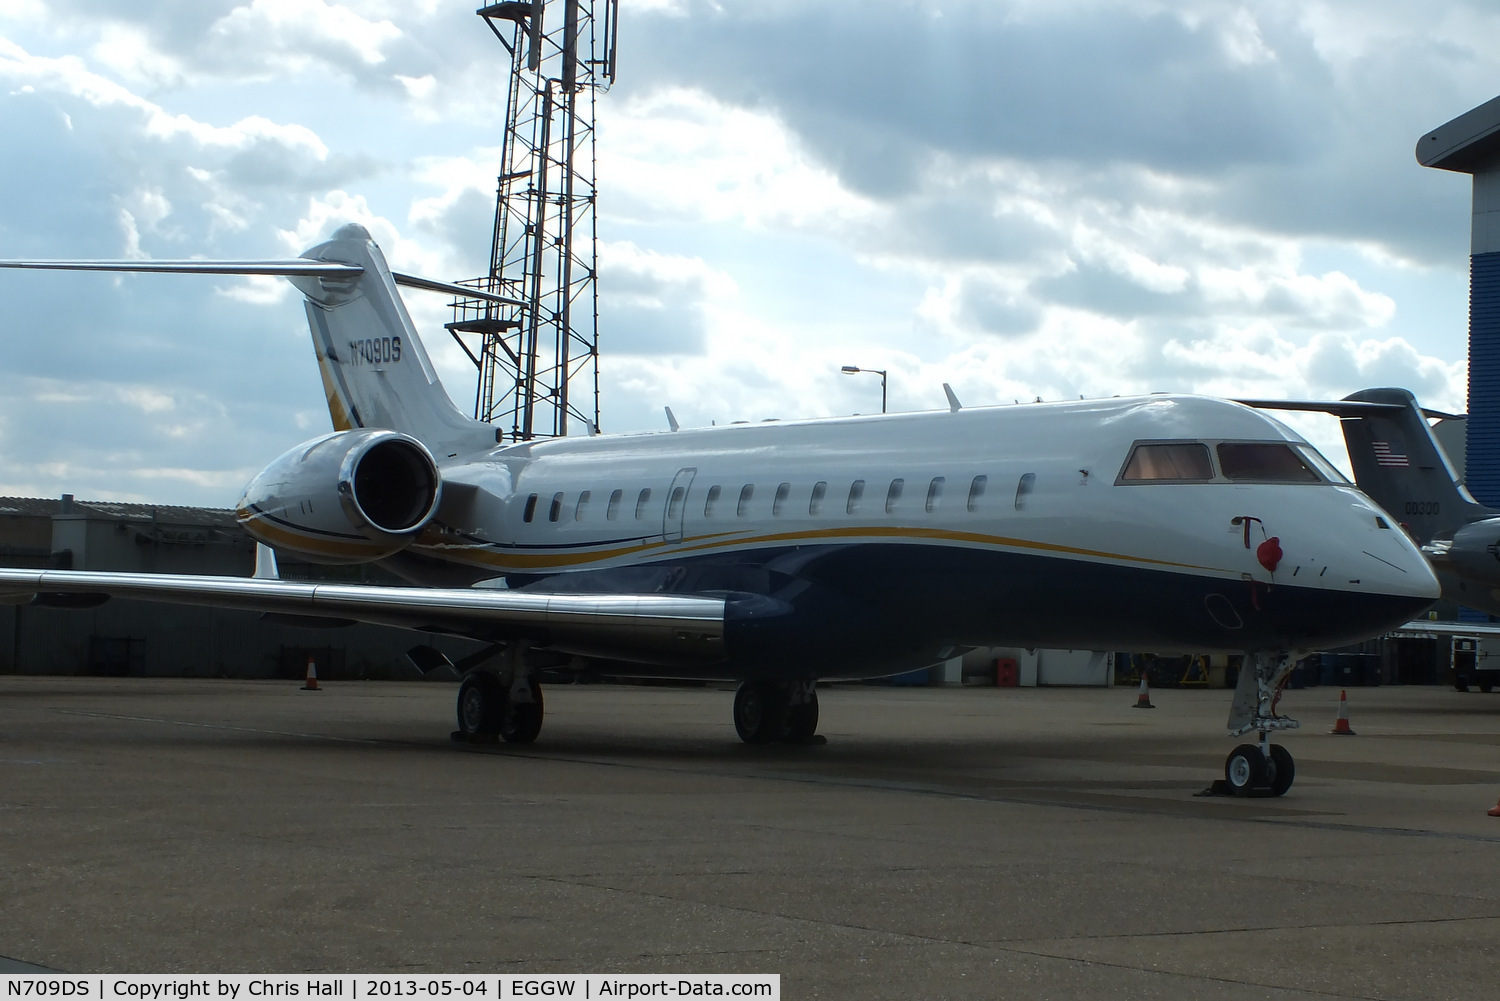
{"type": "Point", "coordinates": [855, 370]}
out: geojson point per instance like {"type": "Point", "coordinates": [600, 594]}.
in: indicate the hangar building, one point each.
{"type": "Point", "coordinates": [139, 638]}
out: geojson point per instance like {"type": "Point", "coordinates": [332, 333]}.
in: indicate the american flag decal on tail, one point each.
{"type": "Point", "coordinates": [1387, 454]}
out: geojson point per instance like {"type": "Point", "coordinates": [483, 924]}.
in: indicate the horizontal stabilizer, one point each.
{"type": "Point", "coordinates": [448, 288]}
{"type": "Point", "coordinates": [296, 267]}
{"type": "Point", "coordinates": [1341, 408]}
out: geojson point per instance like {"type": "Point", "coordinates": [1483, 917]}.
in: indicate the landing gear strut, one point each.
{"type": "Point", "coordinates": [1263, 768]}
{"type": "Point", "coordinates": [776, 710]}
{"type": "Point", "coordinates": [504, 704]}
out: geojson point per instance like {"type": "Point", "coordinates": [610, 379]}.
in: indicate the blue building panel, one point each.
{"type": "Point", "coordinates": [1483, 435]}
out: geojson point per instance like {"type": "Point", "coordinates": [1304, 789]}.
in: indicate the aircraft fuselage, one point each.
{"type": "Point", "coordinates": [860, 546]}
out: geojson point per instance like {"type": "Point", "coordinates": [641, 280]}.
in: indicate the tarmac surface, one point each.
{"type": "Point", "coordinates": [944, 843]}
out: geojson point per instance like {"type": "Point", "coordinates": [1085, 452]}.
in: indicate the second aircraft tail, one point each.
{"type": "Point", "coordinates": [1397, 461]}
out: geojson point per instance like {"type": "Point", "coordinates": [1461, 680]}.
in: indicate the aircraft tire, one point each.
{"type": "Point", "coordinates": [523, 723]}
{"type": "Point", "coordinates": [1245, 770]}
{"type": "Point", "coordinates": [758, 712]}
{"type": "Point", "coordinates": [802, 721]}
{"type": "Point", "coordinates": [481, 705]}
{"type": "Point", "coordinates": [1282, 770]}
{"type": "Point", "coordinates": [1486, 687]}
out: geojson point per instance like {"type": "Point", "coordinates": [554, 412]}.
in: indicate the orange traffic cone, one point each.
{"type": "Point", "coordinates": [1494, 811]}
{"type": "Point", "coordinates": [311, 685]}
{"type": "Point", "coordinates": [1341, 725]}
{"type": "Point", "coordinates": [1143, 700]}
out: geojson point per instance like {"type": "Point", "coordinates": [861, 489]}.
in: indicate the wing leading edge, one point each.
{"type": "Point", "coordinates": [649, 628]}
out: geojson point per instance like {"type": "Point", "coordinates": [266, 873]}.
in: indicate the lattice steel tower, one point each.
{"type": "Point", "coordinates": [538, 358]}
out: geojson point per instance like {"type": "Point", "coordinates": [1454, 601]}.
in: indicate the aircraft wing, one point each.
{"type": "Point", "coordinates": [649, 628]}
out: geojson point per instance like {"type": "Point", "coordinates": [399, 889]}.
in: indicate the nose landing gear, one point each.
{"type": "Point", "coordinates": [1263, 768]}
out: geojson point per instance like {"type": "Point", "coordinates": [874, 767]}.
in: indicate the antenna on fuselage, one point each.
{"type": "Point", "coordinates": [953, 405]}
{"type": "Point", "coordinates": [672, 419]}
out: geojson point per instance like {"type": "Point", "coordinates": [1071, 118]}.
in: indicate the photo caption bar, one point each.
{"type": "Point", "coordinates": [372, 986]}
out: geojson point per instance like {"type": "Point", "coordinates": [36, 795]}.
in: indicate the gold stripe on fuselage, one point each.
{"type": "Point", "coordinates": [503, 559]}
{"type": "Point", "coordinates": [497, 556]}
{"type": "Point", "coordinates": [276, 535]}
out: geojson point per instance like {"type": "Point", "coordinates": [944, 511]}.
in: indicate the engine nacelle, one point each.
{"type": "Point", "coordinates": [348, 497]}
{"type": "Point", "coordinates": [1475, 551]}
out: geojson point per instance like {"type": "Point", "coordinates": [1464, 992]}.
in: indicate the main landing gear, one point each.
{"type": "Point", "coordinates": [1263, 768]}
{"type": "Point", "coordinates": [777, 710]}
{"type": "Point", "coordinates": [500, 705]}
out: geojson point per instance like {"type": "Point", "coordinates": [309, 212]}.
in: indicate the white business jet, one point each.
{"type": "Point", "coordinates": [777, 554]}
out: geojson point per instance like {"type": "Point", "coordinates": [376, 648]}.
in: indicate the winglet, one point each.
{"type": "Point", "coordinates": [265, 563]}
{"type": "Point", "coordinates": [953, 405]}
{"type": "Point", "coordinates": [672, 419]}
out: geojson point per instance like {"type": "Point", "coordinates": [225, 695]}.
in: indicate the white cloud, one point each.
{"type": "Point", "coordinates": [657, 303]}
{"type": "Point", "coordinates": [1214, 195]}
{"type": "Point", "coordinates": [69, 75]}
{"type": "Point", "coordinates": [256, 290]}
{"type": "Point", "coordinates": [294, 24]}
{"type": "Point", "coordinates": [682, 154]}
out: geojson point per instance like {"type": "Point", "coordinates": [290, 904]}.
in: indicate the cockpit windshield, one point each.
{"type": "Point", "coordinates": [1264, 462]}
{"type": "Point", "coordinates": [1178, 461]}
{"type": "Point", "coordinates": [1315, 459]}
{"type": "Point", "coordinates": [1227, 461]}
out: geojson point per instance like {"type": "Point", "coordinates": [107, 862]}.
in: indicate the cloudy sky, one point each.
{"type": "Point", "coordinates": [1023, 198]}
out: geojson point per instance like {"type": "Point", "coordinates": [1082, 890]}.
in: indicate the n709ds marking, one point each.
{"type": "Point", "coordinates": [375, 351]}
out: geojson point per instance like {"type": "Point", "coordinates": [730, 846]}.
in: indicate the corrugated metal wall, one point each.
{"type": "Point", "coordinates": [144, 639]}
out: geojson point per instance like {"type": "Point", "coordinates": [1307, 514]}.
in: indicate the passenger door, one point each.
{"type": "Point", "coordinates": [676, 509]}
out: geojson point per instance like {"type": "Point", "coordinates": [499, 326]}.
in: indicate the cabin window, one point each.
{"type": "Point", "coordinates": [613, 510]}
{"type": "Point", "coordinates": [530, 511]}
{"type": "Point", "coordinates": [674, 503]}
{"type": "Point", "coordinates": [711, 500]}
{"type": "Point", "coordinates": [556, 510]}
{"type": "Point", "coordinates": [815, 502]}
{"type": "Point", "coordinates": [856, 491]}
{"type": "Point", "coordinates": [1264, 462]}
{"type": "Point", "coordinates": [1178, 461]}
{"type": "Point", "coordinates": [583, 505]}
{"type": "Point", "coordinates": [641, 502]}
{"type": "Point", "coordinates": [1023, 490]}
{"type": "Point", "coordinates": [893, 495]}
{"type": "Point", "coordinates": [746, 492]}
{"type": "Point", "coordinates": [782, 493]}
{"type": "Point", "coordinates": [934, 494]}
{"type": "Point", "coordinates": [976, 491]}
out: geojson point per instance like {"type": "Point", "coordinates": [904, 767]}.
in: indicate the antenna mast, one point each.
{"type": "Point", "coordinates": [539, 362]}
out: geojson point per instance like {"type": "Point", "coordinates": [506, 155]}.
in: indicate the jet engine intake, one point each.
{"type": "Point", "coordinates": [348, 497]}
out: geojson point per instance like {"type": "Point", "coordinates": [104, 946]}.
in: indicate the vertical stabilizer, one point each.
{"type": "Point", "coordinates": [1397, 461]}
{"type": "Point", "coordinates": [376, 372]}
